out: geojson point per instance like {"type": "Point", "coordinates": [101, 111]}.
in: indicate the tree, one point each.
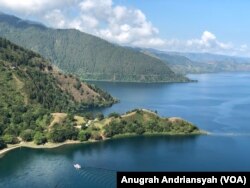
{"type": "Point", "coordinates": [89, 116]}
{"type": "Point", "coordinates": [57, 135]}
{"type": "Point", "coordinates": [71, 117]}
{"type": "Point", "coordinates": [83, 136]}
{"type": "Point", "coordinates": [9, 139]}
{"type": "Point", "coordinates": [40, 138]}
{"type": "Point", "coordinates": [27, 135]}
{"type": "Point", "coordinates": [96, 136]}
{"type": "Point", "coordinates": [113, 128]}
{"type": "Point", "coordinates": [78, 85]}
{"type": "Point", "coordinates": [100, 116]}
{"type": "Point", "coordinates": [2, 144]}
{"type": "Point", "coordinates": [140, 130]}
{"type": "Point", "coordinates": [114, 114]}
{"type": "Point", "coordinates": [70, 133]}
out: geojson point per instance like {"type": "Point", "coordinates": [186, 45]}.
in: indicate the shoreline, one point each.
{"type": "Point", "coordinates": [32, 145]}
{"type": "Point", "coordinates": [50, 145]}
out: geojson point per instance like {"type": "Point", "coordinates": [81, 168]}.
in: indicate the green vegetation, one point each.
{"type": "Point", "coordinates": [38, 104]}
{"type": "Point", "coordinates": [40, 138]}
{"type": "Point", "coordinates": [140, 122]}
{"type": "Point", "coordinates": [10, 139]}
{"type": "Point", "coordinates": [86, 56]}
{"type": "Point", "coordinates": [100, 116]}
{"type": "Point", "coordinates": [135, 122]}
{"type": "Point", "coordinates": [84, 135]}
{"type": "Point", "coordinates": [27, 135]}
{"type": "Point", "coordinates": [30, 90]}
{"type": "Point", "coordinates": [2, 144]}
{"type": "Point", "coordinates": [114, 114]}
{"type": "Point", "coordinates": [63, 131]}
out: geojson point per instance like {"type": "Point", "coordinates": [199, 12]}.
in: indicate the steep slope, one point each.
{"type": "Point", "coordinates": [28, 79]}
{"type": "Point", "coordinates": [30, 89]}
{"type": "Point", "coordinates": [87, 56]}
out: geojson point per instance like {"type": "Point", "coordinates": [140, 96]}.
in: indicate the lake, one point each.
{"type": "Point", "coordinates": [218, 103]}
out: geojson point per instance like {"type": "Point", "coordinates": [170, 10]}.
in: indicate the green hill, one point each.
{"type": "Point", "coordinates": [139, 122]}
{"type": "Point", "coordinates": [86, 56]}
{"type": "Point", "coordinates": [30, 89]}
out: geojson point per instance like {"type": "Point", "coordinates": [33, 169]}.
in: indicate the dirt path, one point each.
{"type": "Point", "coordinates": [57, 118]}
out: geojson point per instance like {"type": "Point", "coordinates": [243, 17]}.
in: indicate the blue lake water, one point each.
{"type": "Point", "coordinates": [219, 103]}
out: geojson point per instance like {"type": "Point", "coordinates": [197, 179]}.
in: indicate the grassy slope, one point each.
{"type": "Point", "coordinates": [87, 56]}
{"type": "Point", "coordinates": [138, 122]}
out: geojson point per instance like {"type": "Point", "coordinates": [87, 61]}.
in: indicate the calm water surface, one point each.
{"type": "Point", "coordinates": [219, 103]}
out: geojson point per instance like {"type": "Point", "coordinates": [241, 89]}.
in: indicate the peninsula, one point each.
{"type": "Point", "coordinates": [66, 129]}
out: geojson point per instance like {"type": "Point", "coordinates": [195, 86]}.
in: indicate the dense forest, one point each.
{"type": "Point", "coordinates": [30, 89]}
{"type": "Point", "coordinates": [86, 56]}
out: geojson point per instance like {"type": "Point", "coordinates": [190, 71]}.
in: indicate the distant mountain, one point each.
{"type": "Point", "coordinates": [184, 63]}
{"type": "Point", "coordinates": [84, 55]}
{"type": "Point", "coordinates": [208, 57]}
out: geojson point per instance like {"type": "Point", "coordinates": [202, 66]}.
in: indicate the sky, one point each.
{"type": "Point", "coordinates": [212, 26]}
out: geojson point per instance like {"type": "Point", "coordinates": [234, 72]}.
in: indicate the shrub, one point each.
{"type": "Point", "coordinates": [9, 139]}
{"type": "Point", "coordinates": [2, 144]}
{"type": "Point", "coordinates": [114, 114]}
{"type": "Point", "coordinates": [57, 135]}
{"type": "Point", "coordinates": [83, 136]}
{"type": "Point", "coordinates": [89, 116]}
{"type": "Point", "coordinates": [27, 135]}
{"type": "Point", "coordinates": [100, 116]}
{"type": "Point", "coordinates": [40, 138]}
{"type": "Point", "coordinates": [96, 136]}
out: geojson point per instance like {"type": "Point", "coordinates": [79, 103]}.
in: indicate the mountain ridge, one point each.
{"type": "Point", "coordinates": [189, 63]}
{"type": "Point", "coordinates": [85, 55]}
{"type": "Point", "coordinates": [33, 75]}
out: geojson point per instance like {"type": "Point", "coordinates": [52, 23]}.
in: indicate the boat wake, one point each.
{"type": "Point", "coordinates": [101, 176]}
{"type": "Point", "coordinates": [229, 134]}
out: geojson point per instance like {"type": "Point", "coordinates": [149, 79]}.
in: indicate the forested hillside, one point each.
{"type": "Point", "coordinates": [30, 89]}
{"type": "Point", "coordinates": [86, 56]}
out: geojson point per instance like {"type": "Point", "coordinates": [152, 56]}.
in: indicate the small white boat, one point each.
{"type": "Point", "coordinates": [77, 166]}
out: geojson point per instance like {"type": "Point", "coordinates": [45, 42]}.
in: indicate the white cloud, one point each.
{"type": "Point", "coordinates": [208, 41]}
{"type": "Point", "coordinates": [119, 24]}
{"type": "Point", "coordinates": [33, 6]}
{"type": "Point", "coordinates": [116, 23]}
{"type": "Point", "coordinates": [56, 17]}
